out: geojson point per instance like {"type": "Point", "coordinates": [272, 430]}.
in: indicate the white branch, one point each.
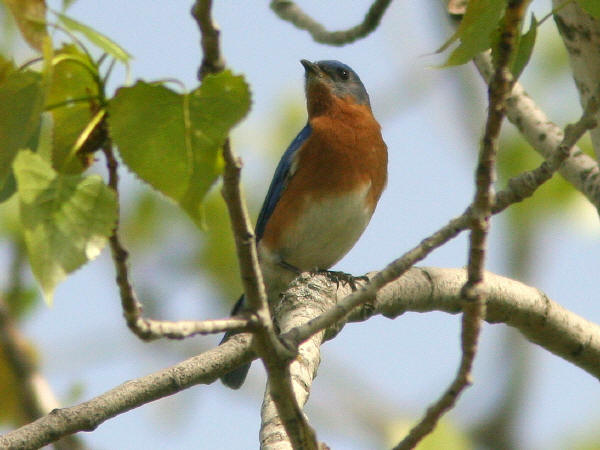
{"type": "Point", "coordinates": [541, 320]}
{"type": "Point", "coordinates": [296, 307]}
{"type": "Point", "coordinates": [545, 137]}
{"type": "Point", "coordinates": [581, 35]}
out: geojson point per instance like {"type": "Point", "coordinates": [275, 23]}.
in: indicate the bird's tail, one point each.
{"type": "Point", "coordinates": [236, 377]}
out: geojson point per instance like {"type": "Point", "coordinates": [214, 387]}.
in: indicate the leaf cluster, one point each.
{"type": "Point", "coordinates": [479, 27]}
{"type": "Point", "coordinates": [56, 116]}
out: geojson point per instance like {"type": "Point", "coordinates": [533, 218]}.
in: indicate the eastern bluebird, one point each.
{"type": "Point", "coordinates": [325, 187]}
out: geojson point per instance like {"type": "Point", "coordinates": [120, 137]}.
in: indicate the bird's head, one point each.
{"type": "Point", "coordinates": [333, 78]}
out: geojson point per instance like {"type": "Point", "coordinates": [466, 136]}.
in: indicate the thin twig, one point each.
{"type": "Point", "coordinates": [274, 355]}
{"type": "Point", "coordinates": [481, 211]}
{"type": "Point", "coordinates": [150, 329]}
{"type": "Point", "coordinates": [212, 59]}
{"type": "Point", "coordinates": [289, 11]}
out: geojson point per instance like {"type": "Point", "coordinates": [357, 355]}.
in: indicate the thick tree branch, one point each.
{"type": "Point", "coordinates": [544, 136]}
{"type": "Point", "coordinates": [525, 184]}
{"type": "Point", "coordinates": [290, 12]}
{"type": "Point", "coordinates": [525, 308]}
{"type": "Point", "coordinates": [275, 356]}
{"type": "Point", "coordinates": [541, 320]}
{"type": "Point", "coordinates": [204, 368]}
{"type": "Point", "coordinates": [581, 35]}
{"type": "Point", "coordinates": [295, 308]}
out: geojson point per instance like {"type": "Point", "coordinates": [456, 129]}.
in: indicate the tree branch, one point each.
{"type": "Point", "coordinates": [275, 356]}
{"type": "Point", "coordinates": [544, 136]}
{"type": "Point", "coordinates": [481, 211]}
{"type": "Point", "coordinates": [580, 33]}
{"type": "Point", "coordinates": [150, 329]}
{"type": "Point", "coordinates": [290, 12]}
{"type": "Point", "coordinates": [525, 184]}
{"type": "Point", "coordinates": [541, 320]}
{"type": "Point", "coordinates": [202, 369]}
{"type": "Point", "coordinates": [212, 59]}
{"type": "Point", "coordinates": [295, 308]}
{"type": "Point", "coordinates": [525, 308]}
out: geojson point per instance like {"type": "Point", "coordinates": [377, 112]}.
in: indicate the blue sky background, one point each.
{"type": "Point", "coordinates": [373, 373]}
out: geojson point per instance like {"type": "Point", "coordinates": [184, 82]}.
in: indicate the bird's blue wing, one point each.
{"type": "Point", "coordinates": [279, 182]}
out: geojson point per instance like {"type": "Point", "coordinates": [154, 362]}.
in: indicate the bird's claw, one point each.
{"type": "Point", "coordinates": [343, 277]}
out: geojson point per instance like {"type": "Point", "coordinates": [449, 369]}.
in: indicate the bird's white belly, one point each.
{"type": "Point", "coordinates": [326, 230]}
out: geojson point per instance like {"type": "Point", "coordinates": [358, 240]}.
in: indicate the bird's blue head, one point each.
{"type": "Point", "coordinates": [338, 78]}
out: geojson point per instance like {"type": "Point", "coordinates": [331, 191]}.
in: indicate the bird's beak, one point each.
{"type": "Point", "coordinates": [309, 67]}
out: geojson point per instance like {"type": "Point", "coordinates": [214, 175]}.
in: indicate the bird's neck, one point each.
{"type": "Point", "coordinates": [321, 101]}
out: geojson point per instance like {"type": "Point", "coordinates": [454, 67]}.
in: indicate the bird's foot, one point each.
{"type": "Point", "coordinates": [343, 277]}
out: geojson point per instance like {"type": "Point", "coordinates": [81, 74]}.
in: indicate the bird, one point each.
{"type": "Point", "coordinates": [325, 187]}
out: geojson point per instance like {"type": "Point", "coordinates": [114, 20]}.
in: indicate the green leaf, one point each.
{"type": "Point", "coordinates": [30, 16]}
{"type": "Point", "coordinates": [6, 68]}
{"type": "Point", "coordinates": [95, 37]}
{"type": "Point", "coordinates": [475, 30]}
{"type": "Point", "coordinates": [172, 140]}
{"type": "Point", "coordinates": [9, 187]}
{"type": "Point", "coordinates": [67, 219]}
{"type": "Point", "coordinates": [21, 101]}
{"type": "Point", "coordinates": [66, 4]}
{"type": "Point", "coordinates": [72, 98]}
{"type": "Point", "coordinates": [525, 49]}
{"type": "Point", "coordinates": [591, 6]}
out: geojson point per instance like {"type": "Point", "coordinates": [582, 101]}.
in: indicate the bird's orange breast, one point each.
{"type": "Point", "coordinates": [344, 155]}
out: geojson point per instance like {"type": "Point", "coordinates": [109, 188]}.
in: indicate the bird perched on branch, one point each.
{"type": "Point", "coordinates": [325, 188]}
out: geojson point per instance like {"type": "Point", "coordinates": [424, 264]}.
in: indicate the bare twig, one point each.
{"type": "Point", "coordinates": [274, 355]}
{"type": "Point", "coordinates": [289, 11]}
{"type": "Point", "coordinates": [544, 136]}
{"type": "Point", "coordinates": [150, 329]}
{"type": "Point", "coordinates": [212, 59]}
{"type": "Point", "coordinates": [481, 211]}
{"type": "Point", "coordinates": [391, 272]}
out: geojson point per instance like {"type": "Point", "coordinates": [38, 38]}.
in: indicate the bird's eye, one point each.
{"type": "Point", "coordinates": [344, 74]}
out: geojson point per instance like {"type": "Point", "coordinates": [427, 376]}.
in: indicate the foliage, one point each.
{"type": "Point", "coordinates": [66, 218]}
{"type": "Point", "coordinates": [179, 153]}
{"type": "Point", "coordinates": [53, 121]}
